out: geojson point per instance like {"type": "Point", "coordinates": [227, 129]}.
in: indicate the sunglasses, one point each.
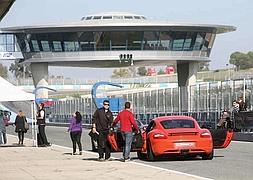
{"type": "Point", "coordinates": [107, 104]}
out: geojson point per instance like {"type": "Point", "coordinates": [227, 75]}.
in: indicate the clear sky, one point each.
{"type": "Point", "coordinates": [238, 13]}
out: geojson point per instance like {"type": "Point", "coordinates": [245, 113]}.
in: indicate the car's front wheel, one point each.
{"type": "Point", "coordinates": [208, 156]}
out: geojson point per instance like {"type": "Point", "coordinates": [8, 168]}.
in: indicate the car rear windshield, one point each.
{"type": "Point", "coordinates": [177, 123]}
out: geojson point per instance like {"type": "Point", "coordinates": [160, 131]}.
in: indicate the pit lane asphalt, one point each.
{"type": "Point", "coordinates": [233, 163]}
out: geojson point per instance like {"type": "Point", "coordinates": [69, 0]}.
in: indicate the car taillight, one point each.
{"type": "Point", "coordinates": [159, 136]}
{"type": "Point", "coordinates": [205, 135]}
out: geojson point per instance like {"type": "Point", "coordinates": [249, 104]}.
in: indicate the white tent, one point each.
{"type": "Point", "coordinates": [11, 93]}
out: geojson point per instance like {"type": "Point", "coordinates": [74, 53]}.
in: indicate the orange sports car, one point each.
{"type": "Point", "coordinates": [174, 135]}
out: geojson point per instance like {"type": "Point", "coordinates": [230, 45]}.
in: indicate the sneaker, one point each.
{"type": "Point", "coordinates": [74, 153]}
{"type": "Point", "coordinates": [101, 159]}
{"type": "Point", "coordinates": [49, 144]}
{"type": "Point", "coordinates": [42, 145]}
{"type": "Point", "coordinates": [80, 153]}
{"type": "Point", "coordinates": [127, 159]}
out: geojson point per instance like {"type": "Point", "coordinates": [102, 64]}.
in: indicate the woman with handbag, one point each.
{"type": "Point", "coordinates": [21, 126]}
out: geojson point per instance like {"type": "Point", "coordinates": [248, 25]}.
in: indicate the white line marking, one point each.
{"type": "Point", "coordinates": [172, 171]}
{"type": "Point", "coordinates": [242, 142]}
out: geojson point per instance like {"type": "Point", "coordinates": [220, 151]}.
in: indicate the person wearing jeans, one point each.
{"type": "Point", "coordinates": [127, 121]}
{"type": "Point", "coordinates": [75, 129]}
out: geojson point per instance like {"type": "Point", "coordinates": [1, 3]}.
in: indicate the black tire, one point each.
{"type": "Point", "coordinates": [141, 156]}
{"type": "Point", "coordinates": [150, 154]}
{"type": "Point", "coordinates": [208, 156]}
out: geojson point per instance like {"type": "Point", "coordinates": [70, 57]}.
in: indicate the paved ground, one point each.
{"type": "Point", "coordinates": [56, 162]}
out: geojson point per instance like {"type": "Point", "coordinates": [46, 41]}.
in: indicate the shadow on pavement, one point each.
{"type": "Point", "coordinates": [13, 145]}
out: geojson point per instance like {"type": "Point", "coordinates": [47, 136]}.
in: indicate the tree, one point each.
{"type": "Point", "coordinates": [142, 71]}
{"type": "Point", "coordinates": [3, 71]}
{"type": "Point", "coordinates": [120, 73]}
{"type": "Point", "coordinates": [20, 70]}
{"type": "Point", "coordinates": [240, 60]}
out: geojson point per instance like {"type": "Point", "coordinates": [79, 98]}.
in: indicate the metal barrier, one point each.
{"type": "Point", "coordinates": [205, 102]}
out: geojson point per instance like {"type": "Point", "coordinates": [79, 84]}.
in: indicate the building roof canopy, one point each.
{"type": "Point", "coordinates": [118, 21]}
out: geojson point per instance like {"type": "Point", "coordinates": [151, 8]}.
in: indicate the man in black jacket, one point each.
{"type": "Point", "coordinates": [41, 121]}
{"type": "Point", "coordinates": [101, 122]}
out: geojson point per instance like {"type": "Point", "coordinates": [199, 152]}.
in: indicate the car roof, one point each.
{"type": "Point", "coordinates": [162, 118]}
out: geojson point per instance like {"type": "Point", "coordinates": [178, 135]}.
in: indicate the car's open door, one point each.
{"type": "Point", "coordinates": [221, 137]}
{"type": "Point", "coordinates": [117, 142]}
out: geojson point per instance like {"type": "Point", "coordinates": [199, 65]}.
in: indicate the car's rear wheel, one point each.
{"type": "Point", "coordinates": [150, 154]}
{"type": "Point", "coordinates": [208, 156]}
{"type": "Point", "coordinates": [141, 155]}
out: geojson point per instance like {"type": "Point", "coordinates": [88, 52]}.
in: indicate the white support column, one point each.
{"type": "Point", "coordinates": [40, 78]}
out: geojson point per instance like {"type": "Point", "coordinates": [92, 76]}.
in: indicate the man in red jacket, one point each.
{"type": "Point", "coordinates": [127, 122]}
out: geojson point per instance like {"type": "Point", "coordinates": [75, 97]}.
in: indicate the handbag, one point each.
{"type": "Point", "coordinates": [94, 136]}
{"type": "Point", "coordinates": [26, 125]}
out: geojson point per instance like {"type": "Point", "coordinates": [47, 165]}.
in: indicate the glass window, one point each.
{"type": "Point", "coordinates": [207, 41]}
{"type": "Point", "coordinates": [178, 40]}
{"type": "Point", "coordinates": [71, 41]}
{"type": "Point", "coordinates": [43, 41]}
{"type": "Point", "coordinates": [88, 18]}
{"type": "Point", "coordinates": [10, 48]}
{"type": "Point", "coordinates": [150, 40]}
{"type": "Point", "coordinates": [9, 39]}
{"type": "Point", "coordinates": [178, 44]}
{"type": "Point", "coordinates": [69, 46]}
{"type": "Point", "coordinates": [134, 40]}
{"type": "Point", "coordinates": [164, 41]}
{"type": "Point", "coordinates": [137, 17]}
{"type": "Point", "coordinates": [198, 41]}
{"type": "Point", "coordinates": [107, 17]}
{"type": "Point", "coordinates": [177, 123]}
{"type": "Point", "coordinates": [55, 40]}
{"type": "Point", "coordinates": [117, 17]}
{"type": "Point", "coordinates": [3, 39]}
{"type": "Point", "coordinates": [118, 40]}
{"type": "Point", "coordinates": [57, 46]}
{"type": "Point", "coordinates": [86, 40]}
{"type": "Point", "coordinates": [45, 46]}
{"type": "Point", "coordinates": [2, 47]}
{"type": "Point", "coordinates": [35, 46]}
{"type": "Point", "coordinates": [22, 42]}
{"type": "Point", "coordinates": [97, 17]}
{"type": "Point", "coordinates": [128, 17]}
{"type": "Point", "coordinates": [7, 42]}
{"type": "Point", "coordinates": [102, 40]}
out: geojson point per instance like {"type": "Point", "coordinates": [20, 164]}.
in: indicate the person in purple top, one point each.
{"type": "Point", "coordinates": [75, 129]}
